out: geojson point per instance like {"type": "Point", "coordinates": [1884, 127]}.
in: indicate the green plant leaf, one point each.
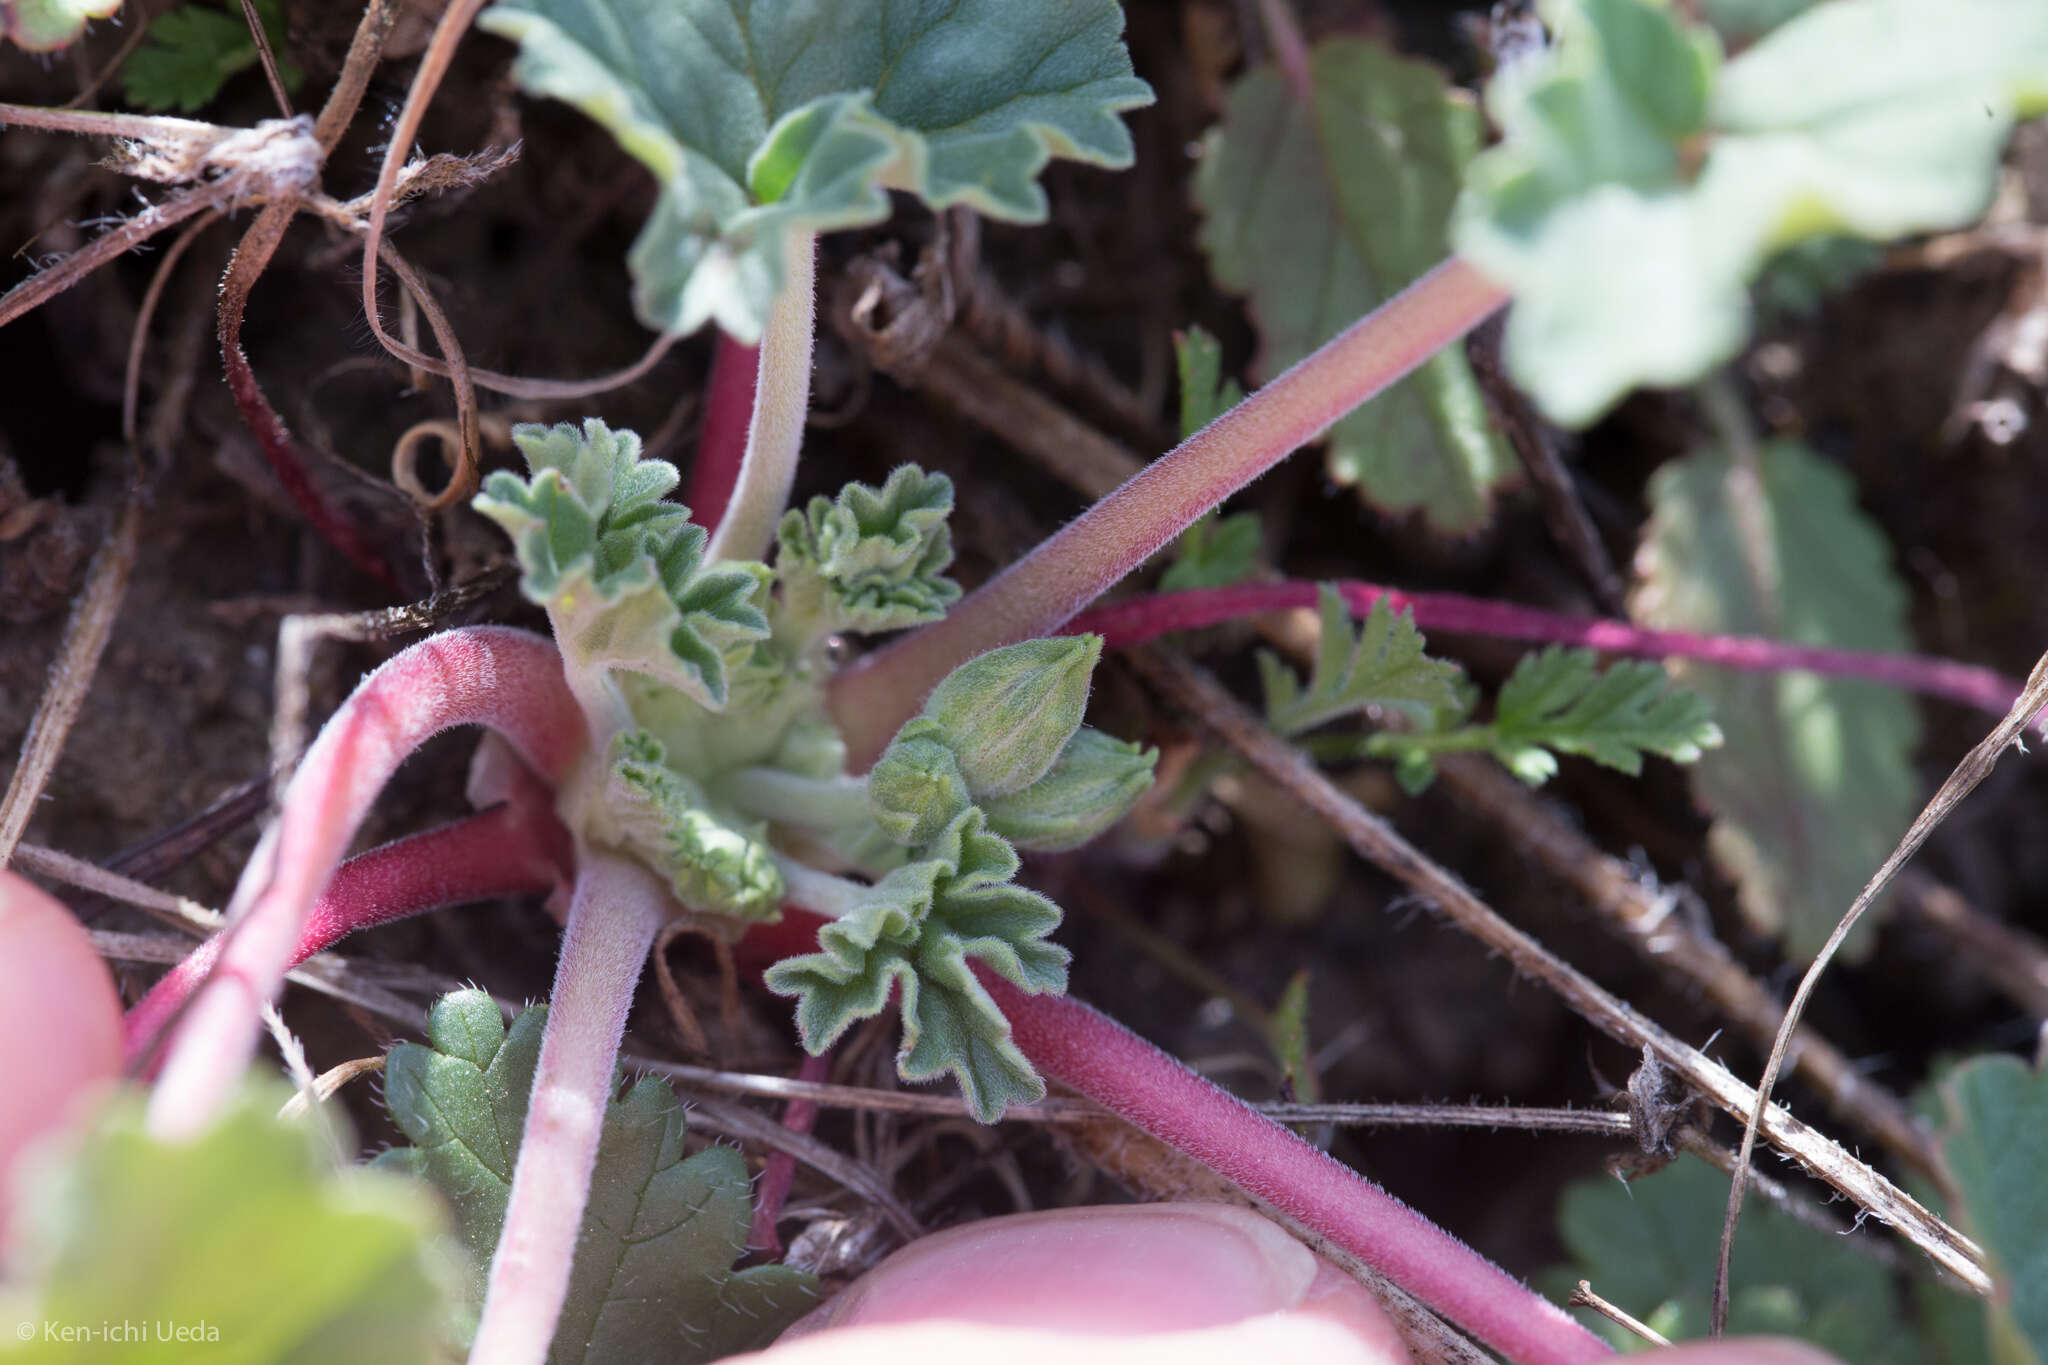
{"type": "Point", "coordinates": [1216, 552]}
{"type": "Point", "coordinates": [759, 121]}
{"type": "Point", "coordinates": [1996, 1151]}
{"type": "Point", "coordinates": [1205, 394]}
{"type": "Point", "coordinates": [1092, 784]}
{"type": "Point", "coordinates": [620, 571]}
{"type": "Point", "coordinates": [714, 862]}
{"type": "Point", "coordinates": [1381, 664]}
{"type": "Point", "coordinates": [246, 1235]}
{"type": "Point", "coordinates": [1321, 210]}
{"type": "Point", "coordinates": [916, 788]}
{"type": "Point", "coordinates": [1746, 20]}
{"type": "Point", "coordinates": [46, 25]}
{"type": "Point", "coordinates": [1641, 185]}
{"type": "Point", "coordinates": [1008, 714]}
{"type": "Point", "coordinates": [1815, 783]}
{"type": "Point", "coordinates": [1561, 699]}
{"type": "Point", "coordinates": [191, 52]}
{"type": "Point", "coordinates": [1648, 1247]}
{"type": "Point", "coordinates": [918, 928]}
{"type": "Point", "coordinates": [653, 1278]}
{"type": "Point", "coordinates": [1288, 1037]}
{"type": "Point", "coordinates": [872, 559]}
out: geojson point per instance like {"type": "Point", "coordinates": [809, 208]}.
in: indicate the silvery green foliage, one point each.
{"type": "Point", "coordinates": [921, 927]}
{"type": "Point", "coordinates": [714, 763]}
{"type": "Point", "coordinates": [1381, 664]}
{"type": "Point", "coordinates": [620, 571]}
{"type": "Point", "coordinates": [762, 120]}
{"type": "Point", "coordinates": [714, 864]}
{"type": "Point", "coordinates": [653, 1276]}
{"type": "Point", "coordinates": [1007, 714]}
{"type": "Point", "coordinates": [1642, 180]}
{"type": "Point", "coordinates": [916, 788]}
{"type": "Point", "coordinates": [1092, 785]}
{"type": "Point", "coordinates": [872, 559]}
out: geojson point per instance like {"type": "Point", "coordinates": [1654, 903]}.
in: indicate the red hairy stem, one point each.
{"type": "Point", "coordinates": [1082, 1048]}
{"type": "Point", "coordinates": [506, 679]}
{"type": "Point", "coordinates": [722, 437]}
{"type": "Point", "coordinates": [517, 848]}
{"type": "Point", "coordinates": [613, 916]}
{"type": "Point", "coordinates": [798, 1116]}
{"type": "Point", "coordinates": [1140, 619]}
{"type": "Point", "coordinates": [1041, 591]}
{"type": "Point", "coordinates": [287, 459]}
{"type": "Point", "coordinates": [1088, 1051]}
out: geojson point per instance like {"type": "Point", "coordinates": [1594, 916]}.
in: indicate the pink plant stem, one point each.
{"type": "Point", "coordinates": [1075, 1045]}
{"type": "Point", "coordinates": [518, 848]}
{"type": "Point", "coordinates": [722, 438]}
{"type": "Point", "coordinates": [1041, 591]}
{"type": "Point", "coordinates": [1139, 619]}
{"type": "Point", "coordinates": [288, 460]}
{"type": "Point", "coordinates": [613, 916]}
{"type": "Point", "coordinates": [780, 1172]}
{"type": "Point", "coordinates": [491, 675]}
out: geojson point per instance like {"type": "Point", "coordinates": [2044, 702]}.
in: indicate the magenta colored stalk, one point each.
{"type": "Point", "coordinates": [289, 461]}
{"type": "Point", "coordinates": [515, 849]}
{"type": "Point", "coordinates": [1138, 619]}
{"type": "Point", "coordinates": [722, 437]}
{"type": "Point", "coordinates": [1040, 592]}
{"type": "Point", "coordinates": [616, 909]}
{"type": "Point", "coordinates": [1081, 1048]}
{"type": "Point", "coordinates": [490, 675]}
{"type": "Point", "coordinates": [780, 1172]}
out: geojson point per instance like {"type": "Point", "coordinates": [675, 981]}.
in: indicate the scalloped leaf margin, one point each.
{"type": "Point", "coordinates": [759, 121]}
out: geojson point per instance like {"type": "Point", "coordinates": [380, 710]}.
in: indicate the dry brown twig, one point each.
{"type": "Point", "coordinates": [1974, 768]}
{"type": "Point", "coordinates": [1196, 692]}
{"type": "Point", "coordinates": [1584, 1297]}
{"type": "Point", "coordinates": [1649, 923]}
{"type": "Point", "coordinates": [2009, 958]}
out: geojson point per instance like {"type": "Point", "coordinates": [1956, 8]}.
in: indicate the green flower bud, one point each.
{"type": "Point", "coordinates": [1007, 714]}
{"type": "Point", "coordinates": [1093, 785]}
{"type": "Point", "coordinates": [915, 788]}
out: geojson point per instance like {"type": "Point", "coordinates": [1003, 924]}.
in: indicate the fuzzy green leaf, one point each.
{"type": "Point", "coordinates": [46, 25]}
{"type": "Point", "coordinates": [872, 559]}
{"type": "Point", "coordinates": [1641, 185]}
{"type": "Point", "coordinates": [714, 863]}
{"type": "Point", "coordinates": [1816, 782]}
{"type": "Point", "coordinates": [1205, 394]}
{"type": "Point", "coordinates": [1319, 212]}
{"type": "Point", "coordinates": [917, 928]}
{"type": "Point", "coordinates": [916, 787]}
{"type": "Point", "coordinates": [763, 120]}
{"type": "Point", "coordinates": [1641, 1244]}
{"type": "Point", "coordinates": [190, 53]}
{"type": "Point", "coordinates": [246, 1235]}
{"type": "Point", "coordinates": [620, 571]}
{"type": "Point", "coordinates": [1216, 552]}
{"type": "Point", "coordinates": [1561, 699]}
{"type": "Point", "coordinates": [1381, 664]}
{"type": "Point", "coordinates": [1007, 714]}
{"type": "Point", "coordinates": [653, 1277]}
{"type": "Point", "coordinates": [1995, 1153]}
{"type": "Point", "coordinates": [1092, 785]}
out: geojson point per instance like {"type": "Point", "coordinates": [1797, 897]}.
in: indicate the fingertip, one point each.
{"type": "Point", "coordinates": [60, 1020]}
